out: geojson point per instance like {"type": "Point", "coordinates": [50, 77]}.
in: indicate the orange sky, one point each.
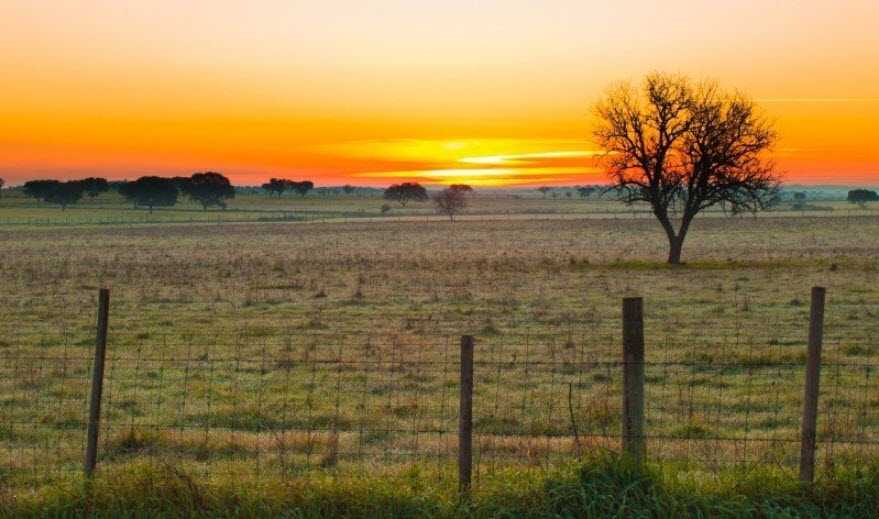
{"type": "Point", "coordinates": [492, 92]}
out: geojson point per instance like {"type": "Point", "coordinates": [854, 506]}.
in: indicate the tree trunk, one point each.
{"type": "Point", "coordinates": [675, 248]}
{"type": "Point", "coordinates": [676, 241]}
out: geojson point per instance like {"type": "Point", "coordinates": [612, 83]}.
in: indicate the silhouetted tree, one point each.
{"type": "Point", "coordinates": [544, 190]}
{"type": "Point", "coordinates": [63, 193]}
{"type": "Point", "coordinates": [209, 189]}
{"type": "Point", "coordinates": [348, 189]}
{"type": "Point", "coordinates": [181, 183]}
{"type": "Point", "coordinates": [464, 188]}
{"type": "Point", "coordinates": [405, 193]}
{"type": "Point", "coordinates": [151, 192]}
{"type": "Point", "coordinates": [682, 148]}
{"type": "Point", "coordinates": [586, 191]}
{"type": "Point", "coordinates": [94, 186]}
{"type": "Point", "coordinates": [38, 188]}
{"type": "Point", "coordinates": [302, 187]}
{"type": "Point", "coordinates": [862, 196]}
{"type": "Point", "coordinates": [450, 201]}
{"type": "Point", "coordinates": [276, 186]}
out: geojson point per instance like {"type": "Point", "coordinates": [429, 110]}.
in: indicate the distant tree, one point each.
{"type": "Point", "coordinates": [348, 189]}
{"type": "Point", "coordinates": [276, 186]}
{"type": "Point", "coordinates": [544, 190]}
{"type": "Point", "coordinates": [181, 183]}
{"type": "Point", "coordinates": [38, 188]}
{"type": "Point", "coordinates": [302, 187]}
{"type": "Point", "coordinates": [682, 148]}
{"type": "Point", "coordinates": [464, 188]}
{"type": "Point", "coordinates": [2, 183]}
{"type": "Point", "coordinates": [450, 201]}
{"type": "Point", "coordinates": [799, 200]}
{"type": "Point", "coordinates": [94, 186]}
{"type": "Point", "coordinates": [405, 193]}
{"type": "Point", "coordinates": [64, 193]}
{"type": "Point", "coordinates": [151, 192]}
{"type": "Point", "coordinates": [862, 196]}
{"type": "Point", "coordinates": [209, 189]}
{"type": "Point", "coordinates": [586, 191]}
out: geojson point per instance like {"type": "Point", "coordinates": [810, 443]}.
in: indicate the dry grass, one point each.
{"type": "Point", "coordinates": [291, 347]}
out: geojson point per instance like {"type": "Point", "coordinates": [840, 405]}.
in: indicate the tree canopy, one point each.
{"type": "Point", "coordinates": [94, 186]}
{"type": "Point", "coordinates": [862, 196]}
{"type": "Point", "coordinates": [64, 193]}
{"type": "Point", "coordinates": [38, 188]}
{"type": "Point", "coordinates": [55, 192]}
{"type": "Point", "coordinates": [301, 187]}
{"type": "Point", "coordinates": [405, 193]}
{"type": "Point", "coordinates": [277, 186]}
{"type": "Point", "coordinates": [151, 192]}
{"type": "Point", "coordinates": [209, 189]}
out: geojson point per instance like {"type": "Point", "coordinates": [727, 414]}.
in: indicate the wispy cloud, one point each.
{"type": "Point", "coordinates": [503, 162]}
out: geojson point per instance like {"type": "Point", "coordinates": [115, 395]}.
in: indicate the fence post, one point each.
{"type": "Point", "coordinates": [813, 376]}
{"type": "Point", "coordinates": [633, 377]}
{"type": "Point", "coordinates": [465, 418]}
{"type": "Point", "coordinates": [91, 452]}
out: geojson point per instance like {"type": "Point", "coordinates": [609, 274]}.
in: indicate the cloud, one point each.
{"type": "Point", "coordinates": [504, 162]}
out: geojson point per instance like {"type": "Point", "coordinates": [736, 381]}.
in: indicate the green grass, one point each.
{"type": "Point", "coordinates": [214, 328]}
{"type": "Point", "coordinates": [603, 486]}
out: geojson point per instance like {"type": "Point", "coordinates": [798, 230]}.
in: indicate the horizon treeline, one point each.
{"type": "Point", "coordinates": [210, 189]}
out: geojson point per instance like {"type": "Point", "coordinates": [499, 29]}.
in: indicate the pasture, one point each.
{"type": "Point", "coordinates": [244, 344]}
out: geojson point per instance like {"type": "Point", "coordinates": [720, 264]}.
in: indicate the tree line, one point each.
{"type": "Point", "coordinates": [277, 186]}
{"type": "Point", "coordinates": [210, 189]}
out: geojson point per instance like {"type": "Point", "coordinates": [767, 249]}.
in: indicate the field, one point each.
{"type": "Point", "coordinates": [317, 337]}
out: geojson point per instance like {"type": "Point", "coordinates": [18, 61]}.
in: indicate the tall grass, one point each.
{"type": "Point", "coordinates": [603, 486]}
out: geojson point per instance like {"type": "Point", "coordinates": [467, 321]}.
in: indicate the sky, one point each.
{"type": "Point", "coordinates": [492, 93]}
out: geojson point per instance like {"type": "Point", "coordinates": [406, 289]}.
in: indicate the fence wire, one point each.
{"type": "Point", "coordinates": [290, 403]}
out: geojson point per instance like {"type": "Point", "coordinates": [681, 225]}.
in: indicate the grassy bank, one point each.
{"type": "Point", "coordinates": [604, 486]}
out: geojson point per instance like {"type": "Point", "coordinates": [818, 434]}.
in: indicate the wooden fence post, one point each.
{"type": "Point", "coordinates": [91, 452]}
{"type": "Point", "coordinates": [813, 376]}
{"type": "Point", "coordinates": [633, 377]}
{"type": "Point", "coordinates": [465, 418]}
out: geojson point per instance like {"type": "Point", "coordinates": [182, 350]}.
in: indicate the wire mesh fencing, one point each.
{"type": "Point", "coordinates": [345, 404]}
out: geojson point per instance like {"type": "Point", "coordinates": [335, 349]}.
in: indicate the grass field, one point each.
{"type": "Point", "coordinates": [267, 349]}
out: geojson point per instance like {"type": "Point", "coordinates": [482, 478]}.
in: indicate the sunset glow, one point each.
{"type": "Point", "coordinates": [494, 94]}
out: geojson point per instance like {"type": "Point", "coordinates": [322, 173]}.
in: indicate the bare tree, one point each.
{"type": "Point", "coordinates": [684, 147]}
{"type": "Point", "coordinates": [450, 201]}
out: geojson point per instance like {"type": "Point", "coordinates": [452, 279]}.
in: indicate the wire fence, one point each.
{"type": "Point", "coordinates": [348, 403]}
